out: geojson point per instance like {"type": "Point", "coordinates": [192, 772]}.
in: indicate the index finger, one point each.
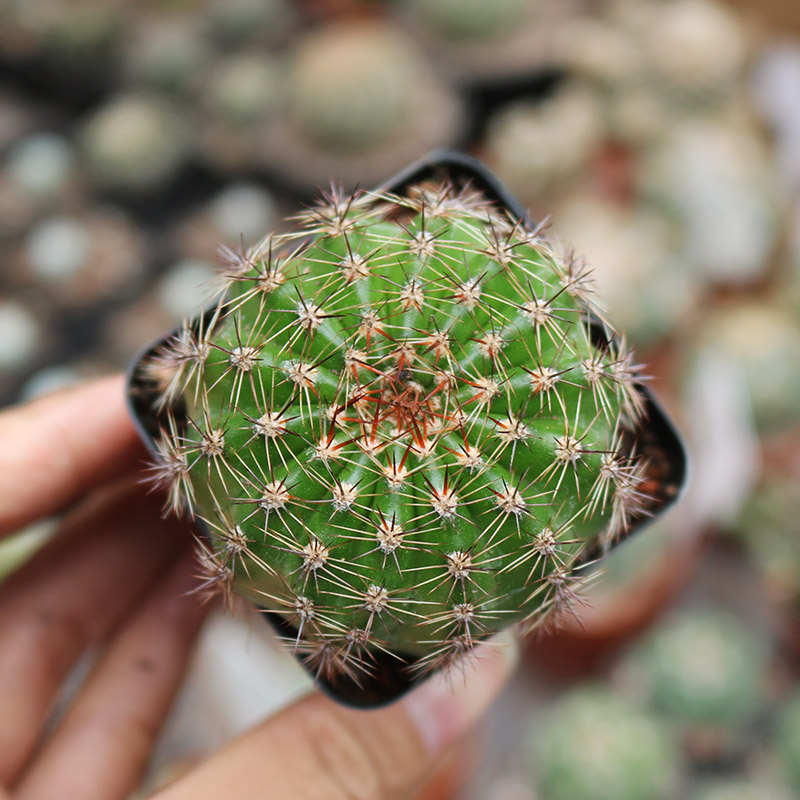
{"type": "Point", "coordinates": [55, 448]}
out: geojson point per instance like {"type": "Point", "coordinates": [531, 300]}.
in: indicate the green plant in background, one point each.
{"type": "Point", "coordinates": [761, 339]}
{"type": "Point", "coordinates": [703, 667]}
{"type": "Point", "coordinates": [401, 433]}
{"type": "Point", "coordinates": [694, 167]}
{"type": "Point", "coordinates": [787, 740]}
{"type": "Point", "coordinates": [244, 89]}
{"type": "Point", "coordinates": [596, 745]}
{"type": "Point", "coordinates": [134, 143]}
{"type": "Point", "coordinates": [645, 286]}
{"type": "Point", "coordinates": [168, 55]}
{"type": "Point", "coordinates": [742, 789]}
{"type": "Point", "coordinates": [471, 20]}
{"type": "Point", "coordinates": [351, 86]}
{"type": "Point", "coordinates": [360, 102]}
{"type": "Point", "coordinates": [537, 147]}
{"type": "Point", "coordinates": [233, 24]}
{"type": "Point", "coordinates": [694, 51]}
{"type": "Point", "coordinates": [767, 528]}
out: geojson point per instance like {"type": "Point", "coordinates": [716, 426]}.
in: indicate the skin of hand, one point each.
{"type": "Point", "coordinates": [116, 579]}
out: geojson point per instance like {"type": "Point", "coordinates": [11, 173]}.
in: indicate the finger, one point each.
{"type": "Point", "coordinates": [57, 447]}
{"type": "Point", "coordinates": [103, 744]}
{"type": "Point", "coordinates": [69, 596]}
{"type": "Point", "coordinates": [316, 749]}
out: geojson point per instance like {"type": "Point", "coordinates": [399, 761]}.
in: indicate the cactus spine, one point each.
{"type": "Point", "coordinates": [401, 433]}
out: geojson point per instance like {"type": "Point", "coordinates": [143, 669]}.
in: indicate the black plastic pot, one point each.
{"type": "Point", "coordinates": [656, 439]}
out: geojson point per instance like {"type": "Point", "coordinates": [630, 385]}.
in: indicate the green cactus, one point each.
{"type": "Point", "coordinates": [470, 20]}
{"type": "Point", "coordinates": [766, 527]}
{"type": "Point", "coordinates": [352, 85]}
{"type": "Point", "coordinates": [233, 24]}
{"type": "Point", "coordinates": [596, 745]}
{"type": "Point", "coordinates": [167, 55]}
{"type": "Point", "coordinates": [787, 740]}
{"type": "Point", "coordinates": [742, 789]}
{"type": "Point", "coordinates": [360, 101]}
{"type": "Point", "coordinates": [536, 147]}
{"type": "Point", "coordinates": [401, 432]}
{"type": "Point", "coordinates": [694, 50]}
{"type": "Point", "coordinates": [761, 338]}
{"type": "Point", "coordinates": [703, 667]}
{"type": "Point", "coordinates": [244, 89]}
{"type": "Point", "coordinates": [134, 143]}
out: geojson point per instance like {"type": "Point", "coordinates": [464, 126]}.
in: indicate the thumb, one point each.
{"type": "Point", "coordinates": [318, 750]}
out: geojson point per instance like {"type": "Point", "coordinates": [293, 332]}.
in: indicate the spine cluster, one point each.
{"type": "Point", "coordinates": [405, 428]}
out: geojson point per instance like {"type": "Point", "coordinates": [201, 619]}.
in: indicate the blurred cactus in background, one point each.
{"type": "Point", "coordinates": [762, 342]}
{"type": "Point", "coordinates": [133, 144]}
{"type": "Point", "coordinates": [539, 148]}
{"type": "Point", "coordinates": [596, 745]}
{"type": "Point", "coordinates": [703, 669]}
{"type": "Point", "coordinates": [788, 740]}
{"type": "Point", "coordinates": [472, 20]}
{"type": "Point", "coordinates": [742, 789]}
{"type": "Point", "coordinates": [360, 102]}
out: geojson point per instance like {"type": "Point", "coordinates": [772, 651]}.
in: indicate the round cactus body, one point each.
{"type": "Point", "coordinates": [134, 143]}
{"type": "Point", "coordinates": [787, 742]}
{"type": "Point", "coordinates": [404, 429]}
{"type": "Point", "coordinates": [599, 746]}
{"type": "Point", "coordinates": [538, 146]}
{"type": "Point", "coordinates": [704, 668]}
{"type": "Point", "coordinates": [351, 86]}
{"type": "Point", "coordinates": [360, 101]}
{"type": "Point", "coordinates": [471, 19]}
{"type": "Point", "coordinates": [742, 789]}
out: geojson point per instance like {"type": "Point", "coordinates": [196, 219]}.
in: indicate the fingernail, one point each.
{"type": "Point", "coordinates": [448, 704]}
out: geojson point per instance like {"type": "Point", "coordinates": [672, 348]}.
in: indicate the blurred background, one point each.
{"type": "Point", "coordinates": [662, 139]}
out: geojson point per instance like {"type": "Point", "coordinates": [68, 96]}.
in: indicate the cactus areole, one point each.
{"type": "Point", "coordinates": [404, 427]}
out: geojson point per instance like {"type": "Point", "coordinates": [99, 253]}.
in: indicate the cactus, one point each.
{"type": "Point", "coordinates": [41, 166]}
{"type": "Point", "coordinates": [22, 336]}
{"type": "Point", "coordinates": [716, 177]}
{"type": "Point", "coordinates": [167, 55]}
{"type": "Point", "coordinates": [691, 54]}
{"type": "Point", "coordinates": [704, 668]}
{"type": "Point", "coordinates": [403, 431]}
{"type": "Point", "coordinates": [696, 50]}
{"type": "Point", "coordinates": [233, 24]}
{"type": "Point", "coordinates": [134, 143]}
{"type": "Point", "coordinates": [78, 260]}
{"type": "Point", "coordinates": [766, 527]}
{"type": "Point", "coordinates": [244, 89]}
{"type": "Point", "coordinates": [632, 249]}
{"type": "Point", "coordinates": [360, 102]}
{"type": "Point", "coordinates": [471, 20]}
{"type": "Point", "coordinates": [351, 85]}
{"type": "Point", "coordinates": [761, 338]}
{"type": "Point", "coordinates": [535, 147]}
{"type": "Point", "coordinates": [597, 745]}
{"type": "Point", "coordinates": [742, 789]}
{"type": "Point", "coordinates": [787, 740]}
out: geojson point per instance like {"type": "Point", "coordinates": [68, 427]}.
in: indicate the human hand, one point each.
{"type": "Point", "coordinates": [117, 575]}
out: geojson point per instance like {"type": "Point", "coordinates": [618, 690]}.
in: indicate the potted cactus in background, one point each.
{"type": "Point", "coordinates": [404, 427]}
{"type": "Point", "coordinates": [598, 745]}
{"type": "Point", "coordinates": [705, 670]}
